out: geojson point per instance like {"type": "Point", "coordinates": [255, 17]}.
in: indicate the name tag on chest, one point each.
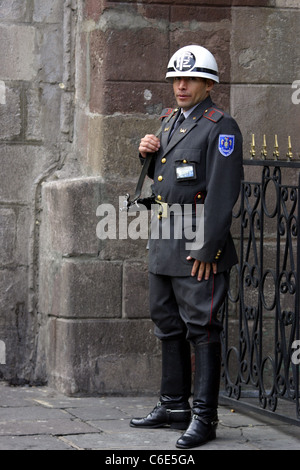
{"type": "Point", "coordinates": [186, 171]}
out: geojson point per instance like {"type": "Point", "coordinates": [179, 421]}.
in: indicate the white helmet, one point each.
{"type": "Point", "coordinates": [193, 61]}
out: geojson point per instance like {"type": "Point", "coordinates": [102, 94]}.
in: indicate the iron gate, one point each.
{"type": "Point", "coordinates": [261, 347]}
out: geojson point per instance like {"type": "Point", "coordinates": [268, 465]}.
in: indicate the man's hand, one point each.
{"type": "Point", "coordinates": [149, 144]}
{"type": "Point", "coordinates": [200, 268]}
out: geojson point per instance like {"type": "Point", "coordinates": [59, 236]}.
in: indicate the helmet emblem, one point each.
{"type": "Point", "coordinates": [185, 62]}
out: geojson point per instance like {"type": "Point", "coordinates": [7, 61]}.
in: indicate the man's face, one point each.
{"type": "Point", "coordinates": [190, 91]}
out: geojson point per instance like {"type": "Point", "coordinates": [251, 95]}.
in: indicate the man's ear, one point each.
{"type": "Point", "coordinates": [209, 84]}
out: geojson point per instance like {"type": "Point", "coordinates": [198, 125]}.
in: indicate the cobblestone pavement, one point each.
{"type": "Point", "coordinates": [39, 418]}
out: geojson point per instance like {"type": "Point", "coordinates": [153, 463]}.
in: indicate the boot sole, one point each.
{"type": "Point", "coordinates": [179, 426]}
{"type": "Point", "coordinates": [191, 446]}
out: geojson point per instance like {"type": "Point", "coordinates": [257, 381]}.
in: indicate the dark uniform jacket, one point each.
{"type": "Point", "coordinates": [210, 143]}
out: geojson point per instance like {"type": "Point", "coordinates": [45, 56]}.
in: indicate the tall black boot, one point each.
{"type": "Point", "coordinates": [204, 421]}
{"type": "Point", "coordinates": [173, 409]}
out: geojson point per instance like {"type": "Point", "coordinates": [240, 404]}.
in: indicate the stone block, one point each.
{"type": "Point", "coordinates": [15, 323]}
{"type": "Point", "coordinates": [131, 239]}
{"type": "Point", "coordinates": [13, 11]}
{"type": "Point", "coordinates": [10, 113]}
{"type": "Point", "coordinates": [100, 357]}
{"type": "Point", "coordinates": [25, 224]}
{"type": "Point", "coordinates": [7, 236]}
{"type": "Point", "coordinates": [93, 9]}
{"type": "Point", "coordinates": [190, 17]}
{"type": "Point", "coordinates": [43, 103]}
{"type": "Point", "coordinates": [49, 39]}
{"type": "Point", "coordinates": [82, 74]}
{"type": "Point", "coordinates": [253, 3]}
{"type": "Point", "coordinates": [48, 12]}
{"type": "Point", "coordinates": [22, 167]}
{"type": "Point", "coordinates": [221, 96]}
{"type": "Point", "coordinates": [136, 290]}
{"type": "Point", "coordinates": [70, 215]}
{"type": "Point", "coordinates": [17, 54]}
{"type": "Point", "coordinates": [86, 289]}
{"type": "Point", "coordinates": [260, 56]}
{"type": "Point", "coordinates": [34, 129]}
{"type": "Point", "coordinates": [286, 3]}
{"type": "Point", "coordinates": [13, 284]}
{"type": "Point", "coordinates": [265, 107]}
{"type": "Point", "coordinates": [49, 276]}
{"type": "Point", "coordinates": [70, 220]}
{"type": "Point", "coordinates": [145, 98]}
{"type": "Point", "coordinates": [117, 157]}
{"type": "Point", "coordinates": [134, 32]}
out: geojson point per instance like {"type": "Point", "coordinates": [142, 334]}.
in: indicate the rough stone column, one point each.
{"type": "Point", "coordinates": [31, 149]}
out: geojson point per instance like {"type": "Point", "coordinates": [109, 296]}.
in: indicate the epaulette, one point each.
{"type": "Point", "coordinates": [213, 114]}
{"type": "Point", "coordinates": [166, 112]}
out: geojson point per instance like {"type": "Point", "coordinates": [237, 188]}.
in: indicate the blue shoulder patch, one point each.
{"type": "Point", "coordinates": [226, 144]}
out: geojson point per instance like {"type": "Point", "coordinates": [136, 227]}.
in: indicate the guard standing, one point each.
{"type": "Point", "coordinates": [197, 161]}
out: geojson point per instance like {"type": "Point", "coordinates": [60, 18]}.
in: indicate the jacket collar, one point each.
{"type": "Point", "coordinates": [186, 127]}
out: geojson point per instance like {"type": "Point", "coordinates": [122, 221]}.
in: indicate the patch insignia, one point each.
{"type": "Point", "coordinates": [166, 112]}
{"type": "Point", "coordinates": [213, 114]}
{"type": "Point", "coordinates": [226, 144]}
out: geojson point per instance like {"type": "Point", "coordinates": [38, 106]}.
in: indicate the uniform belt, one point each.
{"type": "Point", "coordinates": [164, 209]}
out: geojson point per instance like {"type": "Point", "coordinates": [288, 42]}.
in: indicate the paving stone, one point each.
{"type": "Point", "coordinates": [32, 443]}
{"type": "Point", "coordinates": [40, 418]}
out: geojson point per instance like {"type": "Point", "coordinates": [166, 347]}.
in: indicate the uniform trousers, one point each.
{"type": "Point", "coordinates": [185, 307]}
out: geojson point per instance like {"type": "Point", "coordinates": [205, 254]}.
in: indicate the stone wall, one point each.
{"type": "Point", "coordinates": [74, 104]}
{"type": "Point", "coordinates": [99, 316]}
{"type": "Point", "coordinates": [34, 141]}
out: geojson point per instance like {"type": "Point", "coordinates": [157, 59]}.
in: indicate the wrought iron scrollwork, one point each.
{"type": "Point", "coordinates": [257, 358]}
